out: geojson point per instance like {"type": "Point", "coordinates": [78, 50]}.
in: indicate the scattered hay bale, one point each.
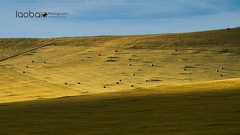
{"type": "Point", "coordinates": [146, 80]}
{"type": "Point", "coordinates": [152, 65]}
{"type": "Point", "coordinates": [222, 68]}
{"type": "Point", "coordinates": [120, 80]}
{"type": "Point", "coordinates": [79, 83]}
{"type": "Point", "coordinates": [99, 54]}
{"type": "Point", "coordinates": [217, 71]}
{"type": "Point", "coordinates": [104, 87]}
{"type": "Point", "coordinates": [221, 75]}
{"type": "Point", "coordinates": [24, 72]}
{"type": "Point", "coordinates": [32, 61]}
{"type": "Point", "coordinates": [131, 85]}
{"type": "Point", "coordinates": [185, 69]}
{"type": "Point", "coordinates": [129, 59]}
{"type": "Point", "coordinates": [65, 83]}
{"type": "Point", "coordinates": [133, 74]}
{"type": "Point", "coordinates": [44, 62]}
{"type": "Point", "coordinates": [129, 64]}
{"type": "Point", "coordinates": [26, 66]}
{"type": "Point", "coordinates": [116, 50]}
{"type": "Point", "coordinates": [117, 82]}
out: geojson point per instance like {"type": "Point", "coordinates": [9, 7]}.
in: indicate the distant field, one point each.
{"type": "Point", "coordinates": [150, 84]}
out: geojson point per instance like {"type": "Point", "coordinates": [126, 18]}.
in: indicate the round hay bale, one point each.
{"type": "Point", "coordinates": [217, 71]}
{"type": "Point", "coordinates": [146, 80]}
{"type": "Point", "coordinates": [222, 68]}
{"type": "Point", "coordinates": [185, 69]}
{"type": "Point", "coordinates": [99, 54]}
{"type": "Point", "coordinates": [44, 62]}
{"type": "Point", "coordinates": [24, 72]}
{"type": "Point", "coordinates": [79, 83]}
{"type": "Point", "coordinates": [221, 75]}
{"type": "Point", "coordinates": [131, 85]}
{"type": "Point", "coordinates": [117, 82]}
{"type": "Point", "coordinates": [133, 74]}
{"type": "Point", "coordinates": [120, 80]}
{"type": "Point", "coordinates": [152, 65]}
{"type": "Point", "coordinates": [116, 50]}
{"type": "Point", "coordinates": [129, 64]}
{"type": "Point", "coordinates": [26, 66]}
{"type": "Point", "coordinates": [32, 61]}
{"type": "Point", "coordinates": [104, 86]}
{"type": "Point", "coordinates": [65, 83]}
{"type": "Point", "coordinates": [129, 59]}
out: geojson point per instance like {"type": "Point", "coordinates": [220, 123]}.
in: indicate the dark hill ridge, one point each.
{"type": "Point", "coordinates": [225, 40]}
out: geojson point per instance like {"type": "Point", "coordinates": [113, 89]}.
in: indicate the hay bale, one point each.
{"type": "Point", "coordinates": [24, 72]}
{"type": "Point", "coordinates": [117, 82]}
{"type": "Point", "coordinates": [133, 74]}
{"type": "Point", "coordinates": [79, 83]}
{"type": "Point", "coordinates": [152, 65]}
{"type": "Point", "coordinates": [129, 59]}
{"type": "Point", "coordinates": [32, 61]}
{"type": "Point", "coordinates": [222, 68]}
{"type": "Point", "coordinates": [65, 83]}
{"type": "Point", "coordinates": [26, 66]}
{"type": "Point", "coordinates": [120, 80]}
{"type": "Point", "coordinates": [131, 85]}
{"type": "Point", "coordinates": [217, 71]}
{"type": "Point", "coordinates": [116, 50]}
{"type": "Point", "coordinates": [129, 64]}
{"type": "Point", "coordinates": [146, 80]}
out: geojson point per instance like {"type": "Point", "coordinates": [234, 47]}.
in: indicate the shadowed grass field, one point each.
{"type": "Point", "coordinates": [151, 84]}
{"type": "Point", "coordinates": [210, 110]}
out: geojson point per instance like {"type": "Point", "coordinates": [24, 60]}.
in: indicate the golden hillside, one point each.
{"type": "Point", "coordinates": [218, 40]}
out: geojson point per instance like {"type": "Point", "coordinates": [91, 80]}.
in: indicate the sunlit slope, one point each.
{"type": "Point", "coordinates": [200, 108]}
{"type": "Point", "coordinates": [68, 65]}
{"type": "Point", "coordinates": [17, 87]}
{"type": "Point", "coordinates": [90, 65]}
{"type": "Point", "coordinates": [218, 40]}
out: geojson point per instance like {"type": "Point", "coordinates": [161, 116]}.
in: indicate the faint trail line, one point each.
{"type": "Point", "coordinates": [25, 52]}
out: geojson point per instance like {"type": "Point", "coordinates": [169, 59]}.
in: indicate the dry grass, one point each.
{"type": "Point", "coordinates": [218, 40]}
{"type": "Point", "coordinates": [197, 100]}
{"type": "Point", "coordinates": [214, 110]}
{"type": "Point", "coordinates": [73, 64]}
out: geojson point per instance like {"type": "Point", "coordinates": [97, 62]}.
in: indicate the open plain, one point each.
{"type": "Point", "coordinates": [185, 83]}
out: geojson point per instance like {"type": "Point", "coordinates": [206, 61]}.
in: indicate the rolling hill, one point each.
{"type": "Point", "coordinates": [184, 83]}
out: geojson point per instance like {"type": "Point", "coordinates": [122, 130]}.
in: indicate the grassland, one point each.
{"type": "Point", "coordinates": [56, 86]}
{"type": "Point", "coordinates": [212, 110]}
